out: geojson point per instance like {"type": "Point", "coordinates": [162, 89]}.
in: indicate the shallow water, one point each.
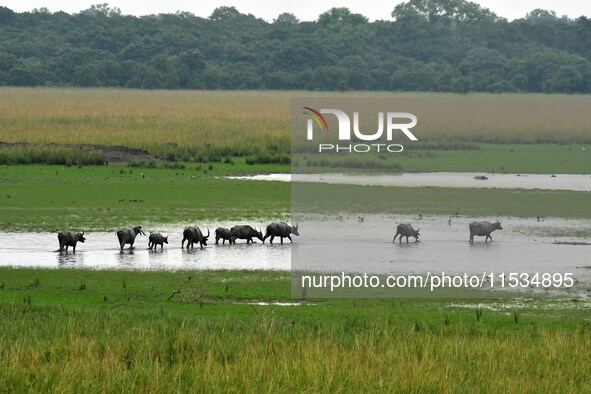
{"type": "Point", "coordinates": [574, 182]}
{"type": "Point", "coordinates": [101, 251]}
{"type": "Point", "coordinates": [443, 246]}
{"type": "Point", "coordinates": [329, 244]}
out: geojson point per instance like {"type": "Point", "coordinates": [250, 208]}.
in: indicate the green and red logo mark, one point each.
{"type": "Point", "coordinates": [317, 117]}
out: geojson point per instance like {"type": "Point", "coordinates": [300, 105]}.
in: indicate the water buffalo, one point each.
{"type": "Point", "coordinates": [483, 229]}
{"type": "Point", "coordinates": [193, 234]}
{"type": "Point", "coordinates": [68, 238]}
{"type": "Point", "coordinates": [156, 239]}
{"type": "Point", "coordinates": [127, 236]}
{"type": "Point", "coordinates": [224, 234]}
{"type": "Point", "coordinates": [246, 232]}
{"type": "Point", "coordinates": [282, 230]}
{"type": "Point", "coordinates": [406, 230]}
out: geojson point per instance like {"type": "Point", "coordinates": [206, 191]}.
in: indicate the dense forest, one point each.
{"type": "Point", "coordinates": [430, 45]}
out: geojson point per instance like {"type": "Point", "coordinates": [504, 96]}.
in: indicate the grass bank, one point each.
{"type": "Point", "coordinates": [51, 198]}
{"type": "Point", "coordinates": [488, 158]}
{"type": "Point", "coordinates": [324, 198]}
{"type": "Point", "coordinates": [41, 197]}
{"type": "Point", "coordinates": [74, 330]}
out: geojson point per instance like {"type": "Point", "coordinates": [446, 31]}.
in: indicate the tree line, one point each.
{"type": "Point", "coordinates": [430, 45]}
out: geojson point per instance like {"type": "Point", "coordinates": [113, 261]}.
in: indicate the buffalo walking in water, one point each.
{"type": "Point", "coordinates": [225, 235]}
{"type": "Point", "coordinates": [483, 229]}
{"type": "Point", "coordinates": [282, 230]}
{"type": "Point", "coordinates": [69, 238]}
{"type": "Point", "coordinates": [127, 236]}
{"type": "Point", "coordinates": [246, 232]}
{"type": "Point", "coordinates": [406, 230]}
{"type": "Point", "coordinates": [194, 235]}
{"type": "Point", "coordinates": [156, 239]}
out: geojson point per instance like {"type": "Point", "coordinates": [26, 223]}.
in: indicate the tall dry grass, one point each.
{"type": "Point", "coordinates": [213, 124]}
{"type": "Point", "coordinates": [183, 124]}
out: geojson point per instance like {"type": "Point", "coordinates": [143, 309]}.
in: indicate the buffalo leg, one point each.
{"type": "Point", "coordinates": [289, 239]}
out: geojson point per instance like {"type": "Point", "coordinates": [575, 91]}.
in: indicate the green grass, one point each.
{"type": "Point", "coordinates": [118, 333]}
{"type": "Point", "coordinates": [50, 198]}
{"type": "Point", "coordinates": [324, 198]}
{"type": "Point", "coordinates": [493, 158]}
{"type": "Point", "coordinates": [49, 155]}
{"type": "Point", "coordinates": [504, 158]}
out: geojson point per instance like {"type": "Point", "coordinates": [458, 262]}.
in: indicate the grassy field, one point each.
{"type": "Point", "coordinates": [324, 198]}
{"type": "Point", "coordinates": [489, 158]}
{"type": "Point", "coordinates": [212, 126]}
{"type": "Point", "coordinates": [52, 198]}
{"type": "Point", "coordinates": [67, 330]}
{"type": "Point", "coordinates": [74, 330]}
{"type": "Point", "coordinates": [42, 197]}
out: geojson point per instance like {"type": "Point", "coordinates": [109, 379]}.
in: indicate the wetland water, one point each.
{"type": "Point", "coordinates": [524, 245]}
{"type": "Point", "coordinates": [344, 244]}
{"type": "Point", "coordinates": [574, 182]}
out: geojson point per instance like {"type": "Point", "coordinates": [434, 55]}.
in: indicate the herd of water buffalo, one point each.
{"type": "Point", "coordinates": [193, 234]}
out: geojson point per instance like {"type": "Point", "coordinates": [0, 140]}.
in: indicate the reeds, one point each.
{"type": "Point", "coordinates": [30, 154]}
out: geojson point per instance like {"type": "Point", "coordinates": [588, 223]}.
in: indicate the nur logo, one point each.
{"type": "Point", "coordinates": [393, 122]}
